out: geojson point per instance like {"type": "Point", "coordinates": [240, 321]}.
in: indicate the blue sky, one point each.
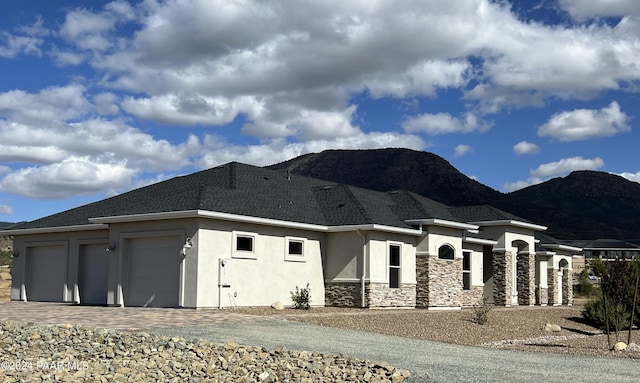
{"type": "Point", "coordinates": [97, 98]}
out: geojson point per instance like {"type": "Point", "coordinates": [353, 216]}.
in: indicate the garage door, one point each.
{"type": "Point", "coordinates": [154, 272]}
{"type": "Point", "coordinates": [93, 272]}
{"type": "Point", "coordinates": [47, 273]}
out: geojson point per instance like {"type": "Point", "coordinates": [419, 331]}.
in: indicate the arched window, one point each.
{"type": "Point", "coordinates": [446, 252]}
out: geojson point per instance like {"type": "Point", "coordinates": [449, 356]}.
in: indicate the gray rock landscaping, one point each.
{"type": "Point", "coordinates": [36, 353]}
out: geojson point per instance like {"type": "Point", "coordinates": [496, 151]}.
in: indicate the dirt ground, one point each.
{"type": "Point", "coordinates": [5, 284]}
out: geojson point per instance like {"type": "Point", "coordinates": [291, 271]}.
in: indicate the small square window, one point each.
{"type": "Point", "coordinates": [294, 250]}
{"type": "Point", "coordinates": [244, 243]}
{"type": "Point", "coordinates": [295, 247]}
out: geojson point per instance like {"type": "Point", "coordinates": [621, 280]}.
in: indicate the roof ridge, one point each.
{"type": "Point", "coordinates": [363, 212]}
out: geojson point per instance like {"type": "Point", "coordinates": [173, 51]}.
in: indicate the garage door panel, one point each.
{"type": "Point", "coordinates": [154, 272]}
{"type": "Point", "coordinates": [47, 273]}
{"type": "Point", "coordinates": [93, 274]}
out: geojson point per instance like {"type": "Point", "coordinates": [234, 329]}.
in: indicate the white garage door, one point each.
{"type": "Point", "coordinates": [154, 272]}
{"type": "Point", "coordinates": [46, 273]}
{"type": "Point", "coordinates": [93, 272]}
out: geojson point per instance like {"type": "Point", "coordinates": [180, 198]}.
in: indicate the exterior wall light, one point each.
{"type": "Point", "coordinates": [111, 247]}
{"type": "Point", "coordinates": [187, 245]}
{"type": "Point", "coordinates": [15, 253]}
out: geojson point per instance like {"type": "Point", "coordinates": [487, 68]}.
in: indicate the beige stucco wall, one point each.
{"type": "Point", "coordinates": [70, 240]}
{"type": "Point", "coordinates": [343, 256]}
{"type": "Point", "coordinates": [263, 278]}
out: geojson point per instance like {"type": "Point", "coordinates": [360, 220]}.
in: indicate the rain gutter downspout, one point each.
{"type": "Point", "coordinates": [364, 268]}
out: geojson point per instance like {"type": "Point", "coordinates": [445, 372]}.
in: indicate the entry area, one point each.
{"type": "Point", "coordinates": [152, 270]}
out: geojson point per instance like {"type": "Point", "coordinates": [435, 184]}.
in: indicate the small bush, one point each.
{"type": "Point", "coordinates": [301, 298]}
{"type": "Point", "coordinates": [584, 288]}
{"type": "Point", "coordinates": [481, 312]}
{"type": "Point", "coordinates": [593, 312]}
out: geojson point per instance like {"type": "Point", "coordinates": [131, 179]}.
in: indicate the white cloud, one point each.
{"type": "Point", "coordinates": [635, 177]}
{"type": "Point", "coordinates": [513, 186]}
{"type": "Point", "coordinates": [12, 45]}
{"type": "Point", "coordinates": [6, 209]}
{"type": "Point", "coordinates": [583, 124]}
{"type": "Point", "coordinates": [461, 150]}
{"type": "Point", "coordinates": [217, 151]}
{"type": "Point", "coordinates": [555, 169]}
{"type": "Point", "coordinates": [567, 165]}
{"type": "Point", "coordinates": [444, 123]}
{"type": "Point", "coordinates": [583, 10]}
{"type": "Point", "coordinates": [50, 104]}
{"type": "Point", "coordinates": [524, 147]}
{"type": "Point", "coordinates": [74, 175]}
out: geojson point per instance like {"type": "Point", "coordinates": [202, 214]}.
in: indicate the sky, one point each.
{"type": "Point", "coordinates": [101, 97]}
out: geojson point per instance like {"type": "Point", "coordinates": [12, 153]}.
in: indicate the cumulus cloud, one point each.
{"type": "Point", "coordinates": [584, 10]}
{"type": "Point", "coordinates": [524, 147]}
{"type": "Point", "coordinates": [567, 165]}
{"type": "Point", "coordinates": [77, 174]}
{"type": "Point", "coordinates": [461, 150]}
{"type": "Point", "coordinates": [583, 124]}
{"type": "Point", "coordinates": [555, 169]}
{"type": "Point", "coordinates": [56, 103]}
{"type": "Point", "coordinates": [217, 151]}
{"type": "Point", "coordinates": [14, 45]}
{"type": "Point", "coordinates": [635, 177]}
{"type": "Point", "coordinates": [444, 123]}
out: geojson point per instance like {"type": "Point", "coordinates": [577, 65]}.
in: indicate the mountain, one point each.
{"type": "Point", "coordinates": [582, 205]}
{"type": "Point", "coordinates": [394, 169]}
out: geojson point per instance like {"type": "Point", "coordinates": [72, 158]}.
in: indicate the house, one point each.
{"type": "Point", "coordinates": [239, 235]}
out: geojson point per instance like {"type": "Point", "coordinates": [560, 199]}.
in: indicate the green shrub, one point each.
{"type": "Point", "coordinates": [593, 312]}
{"type": "Point", "coordinates": [584, 288]}
{"type": "Point", "coordinates": [301, 298]}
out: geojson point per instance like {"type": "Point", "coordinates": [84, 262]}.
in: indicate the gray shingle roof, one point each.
{"type": "Point", "coordinates": [242, 189]}
{"type": "Point", "coordinates": [480, 213]}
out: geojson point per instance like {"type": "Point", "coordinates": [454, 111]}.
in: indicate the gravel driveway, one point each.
{"type": "Point", "coordinates": [428, 361]}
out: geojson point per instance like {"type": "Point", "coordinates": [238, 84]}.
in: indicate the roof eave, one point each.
{"type": "Point", "coordinates": [442, 222]}
{"type": "Point", "coordinates": [54, 229]}
{"type": "Point", "coordinates": [511, 222]}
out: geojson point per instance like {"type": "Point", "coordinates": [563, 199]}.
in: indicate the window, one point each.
{"type": "Point", "coordinates": [294, 249]}
{"type": "Point", "coordinates": [446, 252]}
{"type": "Point", "coordinates": [244, 245]}
{"type": "Point", "coordinates": [466, 270]}
{"type": "Point", "coordinates": [394, 266]}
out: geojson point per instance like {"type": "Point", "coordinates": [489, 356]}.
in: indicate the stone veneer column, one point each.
{"type": "Point", "coordinates": [526, 268]}
{"type": "Point", "coordinates": [567, 287]}
{"type": "Point", "coordinates": [422, 279]}
{"type": "Point", "coordinates": [552, 282]}
{"type": "Point", "coordinates": [445, 282]}
{"type": "Point", "coordinates": [542, 296]}
{"type": "Point", "coordinates": [502, 278]}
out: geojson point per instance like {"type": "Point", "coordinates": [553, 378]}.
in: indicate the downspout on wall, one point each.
{"type": "Point", "coordinates": [364, 268]}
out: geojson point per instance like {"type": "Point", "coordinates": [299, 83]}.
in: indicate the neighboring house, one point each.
{"type": "Point", "coordinates": [608, 249]}
{"type": "Point", "coordinates": [239, 235]}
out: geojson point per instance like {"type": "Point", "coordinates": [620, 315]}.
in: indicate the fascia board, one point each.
{"type": "Point", "coordinates": [480, 241]}
{"type": "Point", "coordinates": [55, 229]}
{"type": "Point", "coordinates": [443, 222]}
{"type": "Point", "coordinates": [561, 247]}
{"type": "Point", "coordinates": [374, 227]}
{"type": "Point", "coordinates": [525, 225]}
{"type": "Point", "coordinates": [210, 215]}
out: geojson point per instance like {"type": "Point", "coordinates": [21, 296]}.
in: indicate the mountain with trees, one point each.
{"type": "Point", "coordinates": [582, 205]}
